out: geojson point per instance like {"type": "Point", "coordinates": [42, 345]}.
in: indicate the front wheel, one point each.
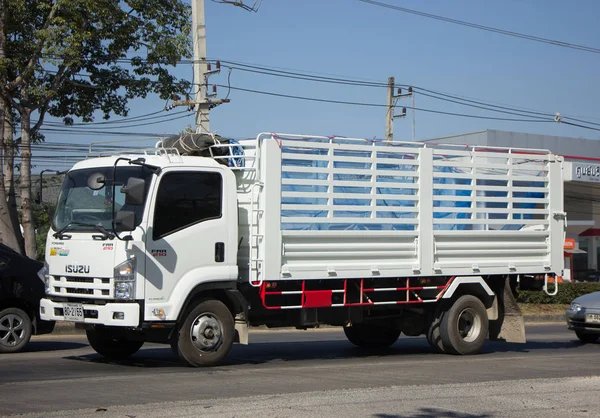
{"type": "Point", "coordinates": [371, 335]}
{"type": "Point", "coordinates": [464, 326]}
{"type": "Point", "coordinates": [105, 343]}
{"type": "Point", "coordinates": [15, 330]}
{"type": "Point", "coordinates": [206, 335]}
{"type": "Point", "coordinates": [586, 338]}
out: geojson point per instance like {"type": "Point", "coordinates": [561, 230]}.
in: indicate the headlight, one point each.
{"type": "Point", "coordinates": [575, 307]}
{"type": "Point", "coordinates": [44, 275]}
{"type": "Point", "coordinates": [125, 290]}
{"type": "Point", "coordinates": [125, 280]}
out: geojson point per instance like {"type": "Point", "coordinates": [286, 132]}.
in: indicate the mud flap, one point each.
{"type": "Point", "coordinates": [509, 326]}
{"type": "Point", "coordinates": [241, 330]}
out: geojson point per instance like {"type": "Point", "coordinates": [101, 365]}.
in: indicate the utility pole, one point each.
{"type": "Point", "coordinates": [391, 104]}
{"type": "Point", "coordinates": [389, 117]}
{"type": "Point", "coordinates": [200, 68]}
{"type": "Point", "coordinates": [413, 116]}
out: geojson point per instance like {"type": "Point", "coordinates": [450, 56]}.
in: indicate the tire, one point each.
{"type": "Point", "coordinates": [433, 333]}
{"type": "Point", "coordinates": [15, 330]}
{"type": "Point", "coordinates": [206, 335]}
{"type": "Point", "coordinates": [113, 348]}
{"type": "Point", "coordinates": [586, 338]}
{"type": "Point", "coordinates": [464, 326]}
{"type": "Point", "coordinates": [371, 336]}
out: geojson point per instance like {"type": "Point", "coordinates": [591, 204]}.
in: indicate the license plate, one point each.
{"type": "Point", "coordinates": [74, 312]}
{"type": "Point", "coordinates": [593, 318]}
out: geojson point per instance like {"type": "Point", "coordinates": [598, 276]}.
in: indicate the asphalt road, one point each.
{"type": "Point", "coordinates": [309, 373]}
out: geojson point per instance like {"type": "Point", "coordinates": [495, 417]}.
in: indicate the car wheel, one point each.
{"type": "Point", "coordinates": [15, 330]}
{"type": "Point", "coordinates": [587, 338]}
{"type": "Point", "coordinates": [110, 346]}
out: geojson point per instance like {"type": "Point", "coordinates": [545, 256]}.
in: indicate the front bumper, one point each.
{"type": "Point", "coordinates": [576, 321]}
{"type": "Point", "coordinates": [95, 314]}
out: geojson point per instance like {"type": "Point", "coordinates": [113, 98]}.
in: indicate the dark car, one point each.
{"type": "Point", "coordinates": [583, 317]}
{"type": "Point", "coordinates": [21, 288]}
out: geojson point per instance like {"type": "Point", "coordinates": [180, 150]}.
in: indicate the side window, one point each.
{"type": "Point", "coordinates": [185, 199]}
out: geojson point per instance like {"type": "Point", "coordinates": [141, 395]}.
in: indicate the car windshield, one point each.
{"type": "Point", "coordinates": [79, 204]}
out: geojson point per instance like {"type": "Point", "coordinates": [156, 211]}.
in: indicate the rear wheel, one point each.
{"type": "Point", "coordinates": [206, 335]}
{"type": "Point", "coordinates": [464, 327]}
{"type": "Point", "coordinates": [15, 330]}
{"type": "Point", "coordinates": [113, 347]}
{"type": "Point", "coordinates": [371, 335]}
{"type": "Point", "coordinates": [433, 333]}
{"type": "Point", "coordinates": [586, 337]}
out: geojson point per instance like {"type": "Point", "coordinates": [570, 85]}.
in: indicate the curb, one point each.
{"type": "Point", "coordinates": [545, 318]}
{"type": "Point", "coordinates": [71, 328]}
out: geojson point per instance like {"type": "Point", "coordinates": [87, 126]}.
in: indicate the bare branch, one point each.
{"type": "Point", "coordinates": [42, 111]}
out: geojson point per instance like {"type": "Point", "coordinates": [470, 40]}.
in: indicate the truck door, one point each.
{"type": "Point", "coordinates": [186, 238]}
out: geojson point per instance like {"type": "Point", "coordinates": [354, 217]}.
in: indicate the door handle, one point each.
{"type": "Point", "coordinates": [219, 252]}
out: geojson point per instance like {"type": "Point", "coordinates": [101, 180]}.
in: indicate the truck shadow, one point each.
{"type": "Point", "coordinates": [434, 412]}
{"type": "Point", "coordinates": [41, 346]}
{"type": "Point", "coordinates": [287, 352]}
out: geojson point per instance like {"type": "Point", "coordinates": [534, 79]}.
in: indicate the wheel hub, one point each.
{"type": "Point", "coordinates": [469, 325]}
{"type": "Point", "coordinates": [11, 330]}
{"type": "Point", "coordinates": [206, 333]}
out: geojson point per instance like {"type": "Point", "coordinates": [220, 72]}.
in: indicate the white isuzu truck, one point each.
{"type": "Point", "coordinates": [380, 238]}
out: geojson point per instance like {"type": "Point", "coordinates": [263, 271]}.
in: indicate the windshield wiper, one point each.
{"type": "Point", "coordinates": [105, 233]}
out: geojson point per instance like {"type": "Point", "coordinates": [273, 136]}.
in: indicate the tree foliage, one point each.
{"type": "Point", "coordinates": [82, 58]}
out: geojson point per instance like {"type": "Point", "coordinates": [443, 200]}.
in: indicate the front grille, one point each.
{"type": "Point", "coordinates": [80, 291]}
{"type": "Point", "coordinates": [83, 287]}
{"type": "Point", "coordinates": [80, 280]}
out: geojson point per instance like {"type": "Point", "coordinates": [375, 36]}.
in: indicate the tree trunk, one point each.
{"type": "Point", "coordinates": [10, 150]}
{"type": "Point", "coordinates": [7, 232]}
{"type": "Point", "coordinates": [25, 185]}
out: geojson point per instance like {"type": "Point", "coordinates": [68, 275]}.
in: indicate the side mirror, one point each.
{"type": "Point", "coordinates": [124, 221]}
{"type": "Point", "coordinates": [134, 191]}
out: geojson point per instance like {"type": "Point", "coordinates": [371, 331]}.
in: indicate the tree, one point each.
{"type": "Point", "coordinates": [77, 58]}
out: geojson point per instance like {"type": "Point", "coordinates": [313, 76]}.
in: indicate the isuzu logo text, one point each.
{"type": "Point", "coordinates": [77, 268]}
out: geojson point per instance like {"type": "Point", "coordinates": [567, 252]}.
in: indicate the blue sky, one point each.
{"type": "Point", "coordinates": [356, 40]}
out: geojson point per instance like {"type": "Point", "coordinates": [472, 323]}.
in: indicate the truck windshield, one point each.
{"type": "Point", "coordinates": [79, 204]}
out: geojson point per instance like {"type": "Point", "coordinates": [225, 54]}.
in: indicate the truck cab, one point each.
{"type": "Point", "coordinates": [124, 264]}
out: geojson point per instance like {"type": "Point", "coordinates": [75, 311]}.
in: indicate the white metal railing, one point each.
{"type": "Point", "coordinates": [445, 209]}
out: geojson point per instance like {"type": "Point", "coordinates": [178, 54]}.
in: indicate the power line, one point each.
{"type": "Point", "coordinates": [485, 28]}
{"type": "Point", "coordinates": [253, 68]}
{"type": "Point", "coordinates": [116, 121]}
{"type": "Point", "coordinates": [300, 76]}
{"type": "Point", "coordinates": [314, 99]}
{"type": "Point", "coordinates": [334, 80]}
{"type": "Point", "coordinates": [156, 122]}
{"type": "Point", "coordinates": [95, 133]}
{"type": "Point", "coordinates": [580, 126]}
{"type": "Point", "coordinates": [480, 107]}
